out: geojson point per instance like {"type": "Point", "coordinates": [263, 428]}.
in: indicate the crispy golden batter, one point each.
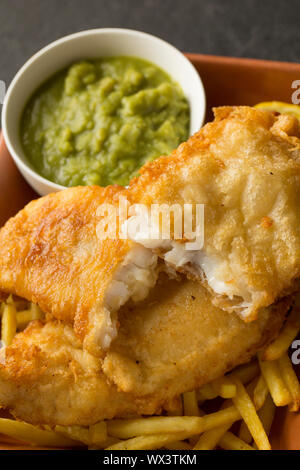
{"type": "Point", "coordinates": [50, 254]}
{"type": "Point", "coordinates": [173, 342]}
{"type": "Point", "coordinates": [46, 377]}
{"type": "Point", "coordinates": [245, 168]}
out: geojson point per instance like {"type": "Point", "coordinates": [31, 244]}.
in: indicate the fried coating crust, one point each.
{"type": "Point", "coordinates": [51, 255]}
{"type": "Point", "coordinates": [245, 167]}
{"type": "Point", "coordinates": [46, 377]}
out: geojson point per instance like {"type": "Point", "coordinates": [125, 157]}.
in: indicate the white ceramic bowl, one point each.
{"type": "Point", "coordinates": [89, 44]}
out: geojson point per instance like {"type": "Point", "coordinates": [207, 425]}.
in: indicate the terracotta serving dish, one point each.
{"type": "Point", "coordinates": [227, 81]}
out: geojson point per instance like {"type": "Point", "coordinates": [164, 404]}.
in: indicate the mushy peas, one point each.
{"type": "Point", "coordinates": [98, 121]}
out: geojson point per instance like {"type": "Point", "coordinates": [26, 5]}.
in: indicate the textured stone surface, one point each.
{"type": "Point", "coordinates": [266, 29]}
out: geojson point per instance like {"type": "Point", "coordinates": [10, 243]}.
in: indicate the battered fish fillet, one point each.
{"type": "Point", "coordinates": [46, 377]}
{"type": "Point", "coordinates": [51, 254]}
{"type": "Point", "coordinates": [245, 168]}
{"type": "Point", "coordinates": [171, 343]}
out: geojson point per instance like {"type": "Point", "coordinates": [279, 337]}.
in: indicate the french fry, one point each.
{"type": "Point", "coordinates": [92, 436]}
{"type": "Point", "coordinates": [76, 433]}
{"type": "Point", "coordinates": [190, 404]}
{"type": "Point", "coordinates": [291, 381]}
{"type": "Point", "coordinates": [224, 387]}
{"type": "Point", "coordinates": [260, 393]}
{"type": "Point", "coordinates": [178, 445]}
{"type": "Point", "coordinates": [103, 445]}
{"type": "Point", "coordinates": [267, 413]}
{"type": "Point", "coordinates": [23, 318]}
{"type": "Point", "coordinates": [206, 392]}
{"type": "Point", "coordinates": [246, 372]}
{"type": "Point", "coordinates": [25, 432]}
{"type": "Point", "coordinates": [128, 428]}
{"type": "Point", "coordinates": [221, 418]}
{"type": "Point", "coordinates": [244, 433]}
{"type": "Point", "coordinates": [33, 312]}
{"type": "Point", "coordinates": [289, 332]}
{"type": "Point", "coordinates": [191, 408]}
{"type": "Point", "coordinates": [247, 410]}
{"type": "Point", "coordinates": [192, 425]}
{"type": "Point", "coordinates": [98, 433]}
{"type": "Point", "coordinates": [209, 439]}
{"type": "Point", "coordinates": [36, 312]}
{"type": "Point", "coordinates": [271, 373]}
{"type": "Point", "coordinates": [8, 324]}
{"type": "Point", "coordinates": [150, 442]}
{"type": "Point", "coordinates": [10, 300]}
{"type": "Point", "coordinates": [231, 442]}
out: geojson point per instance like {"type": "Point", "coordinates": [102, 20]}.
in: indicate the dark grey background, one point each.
{"type": "Point", "coordinates": [268, 29]}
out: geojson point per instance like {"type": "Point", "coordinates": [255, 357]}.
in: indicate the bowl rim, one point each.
{"type": "Point", "coordinates": [21, 164]}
